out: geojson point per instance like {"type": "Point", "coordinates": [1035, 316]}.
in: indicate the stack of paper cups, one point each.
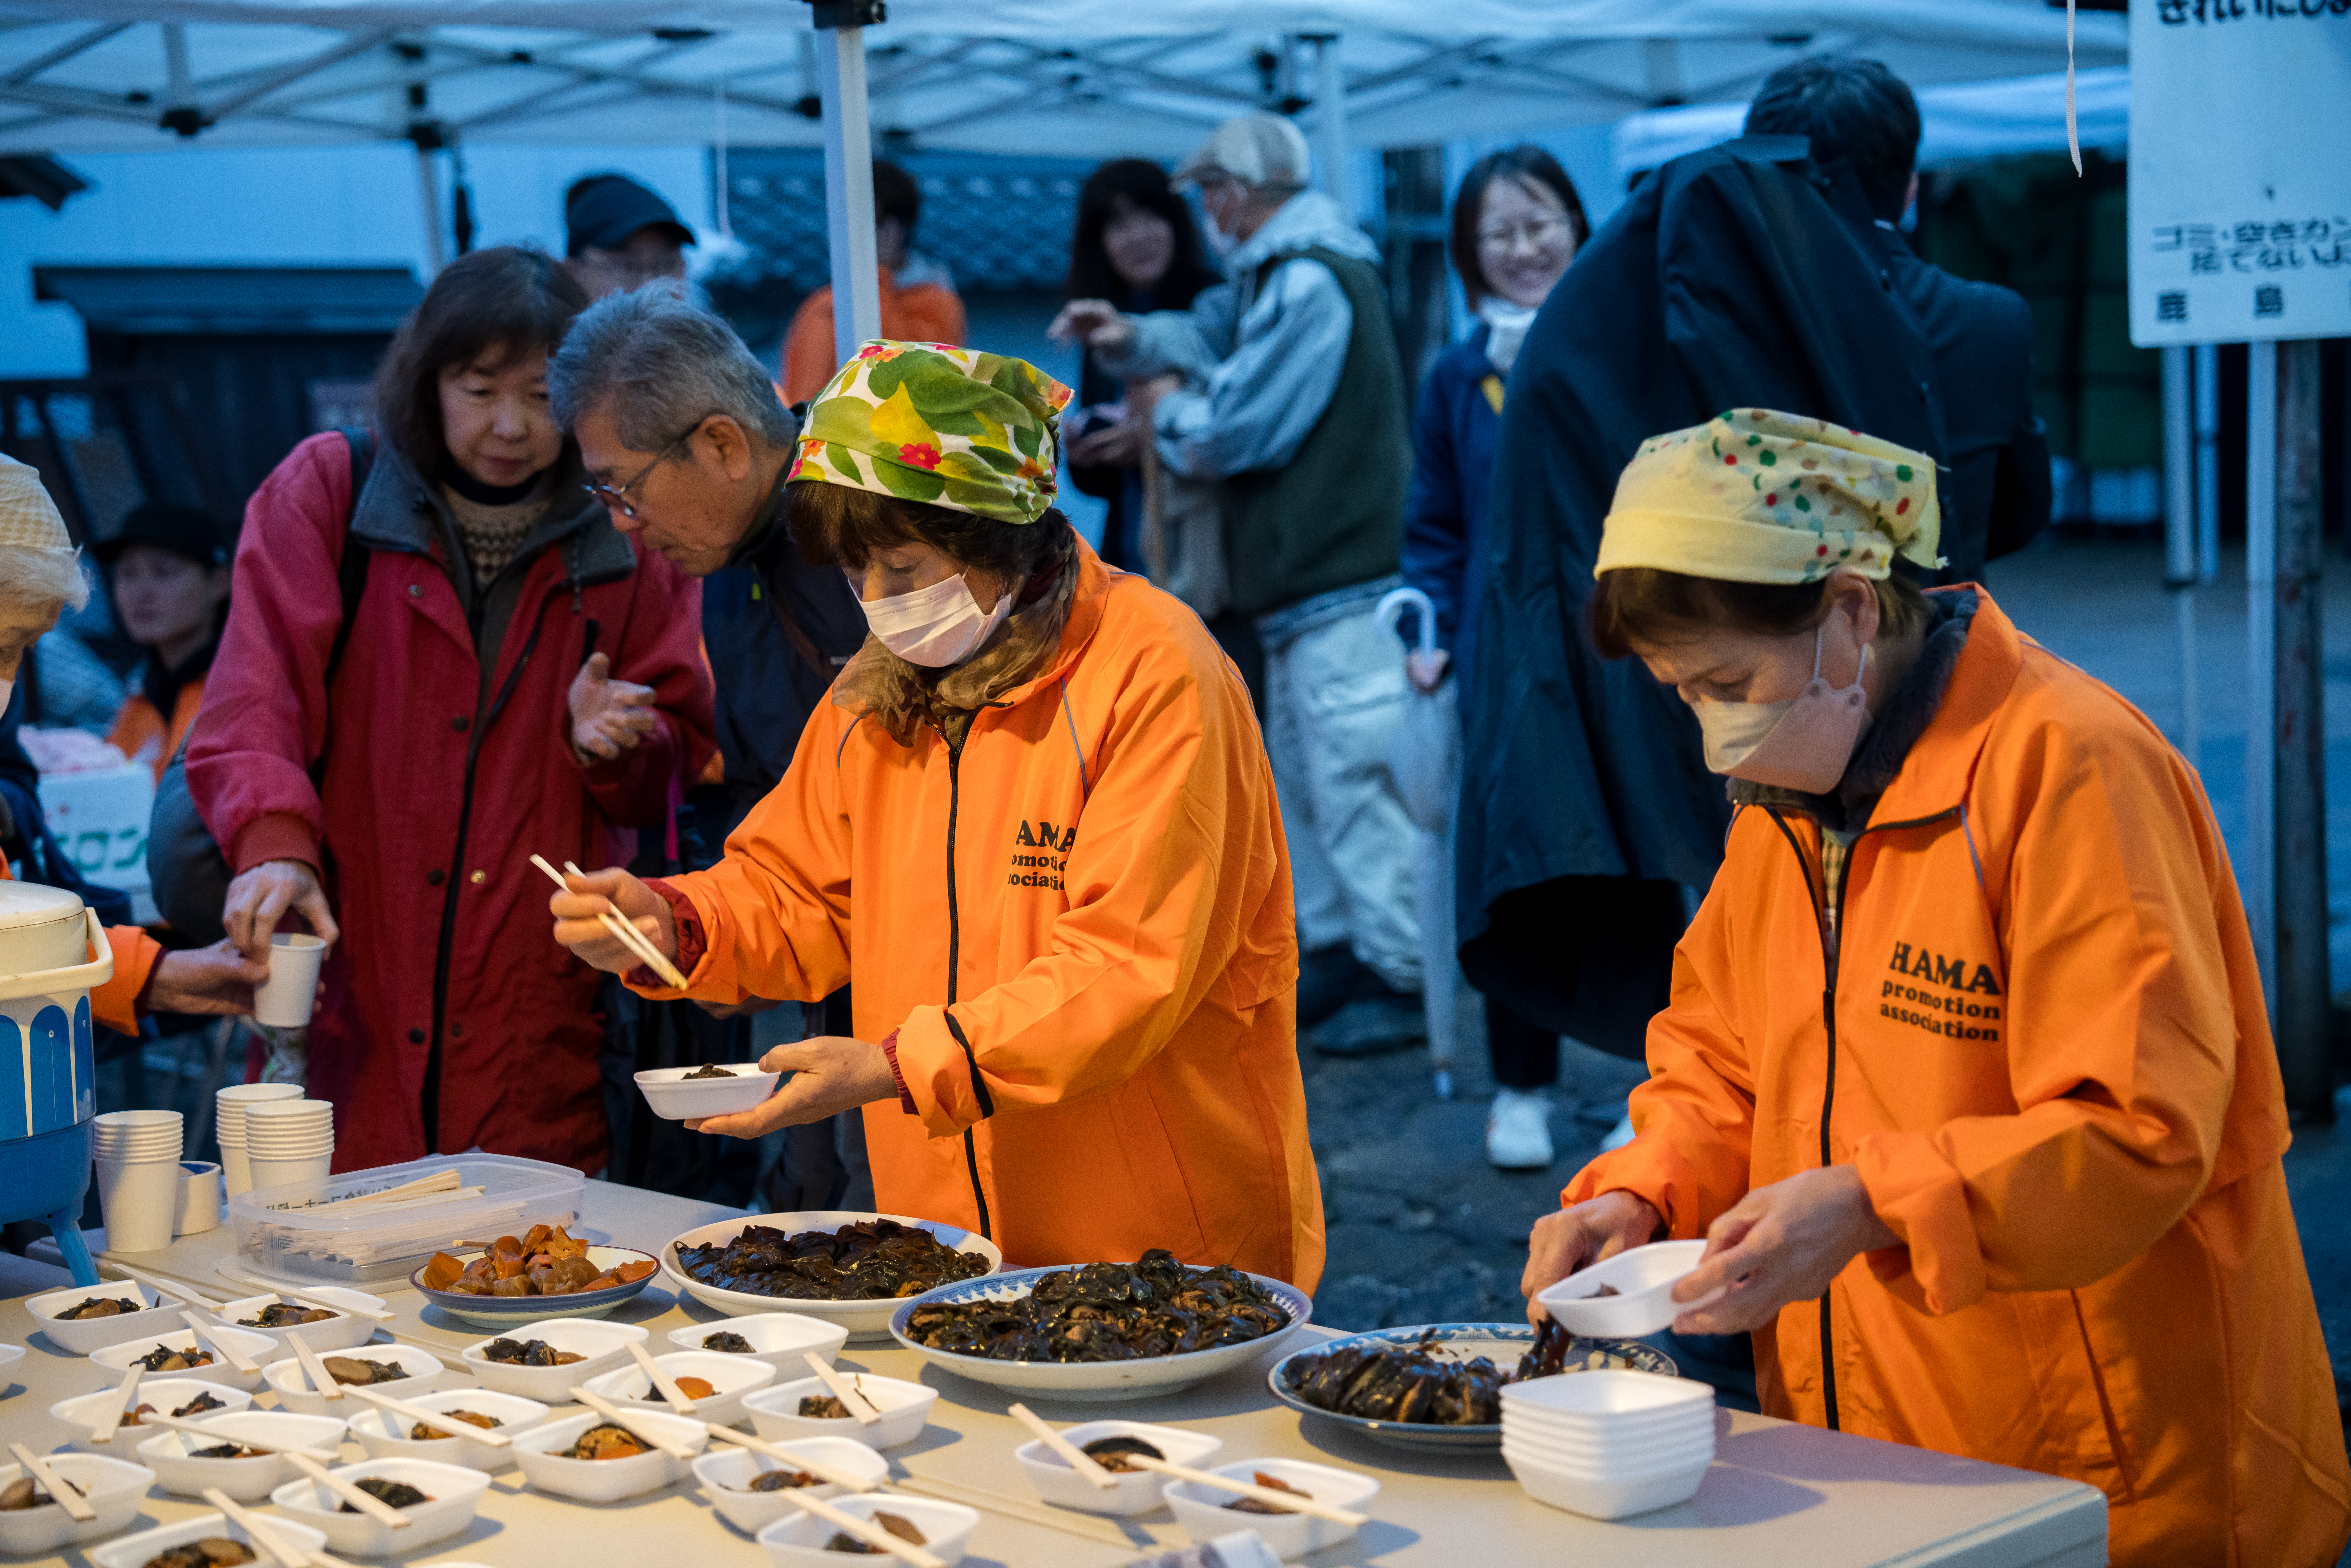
{"type": "Point", "coordinates": [288, 1140]}
{"type": "Point", "coordinates": [138, 1157]}
{"type": "Point", "coordinates": [230, 1105]}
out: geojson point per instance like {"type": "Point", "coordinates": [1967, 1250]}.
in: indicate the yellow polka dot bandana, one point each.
{"type": "Point", "coordinates": [1755, 496]}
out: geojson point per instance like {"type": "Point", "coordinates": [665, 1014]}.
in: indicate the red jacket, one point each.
{"type": "Point", "coordinates": [438, 786]}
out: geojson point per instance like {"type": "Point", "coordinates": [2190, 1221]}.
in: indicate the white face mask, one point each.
{"type": "Point", "coordinates": [935, 626]}
{"type": "Point", "coordinates": [1804, 742]}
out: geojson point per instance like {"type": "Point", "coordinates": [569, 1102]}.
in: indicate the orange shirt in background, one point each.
{"type": "Point", "coordinates": [920, 313]}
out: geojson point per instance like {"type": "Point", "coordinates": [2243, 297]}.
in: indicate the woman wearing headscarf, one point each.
{"type": "Point", "coordinates": [1966, 1078]}
{"type": "Point", "coordinates": [1517, 223]}
{"type": "Point", "coordinates": [1035, 832]}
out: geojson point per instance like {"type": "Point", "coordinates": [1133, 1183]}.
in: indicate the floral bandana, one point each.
{"type": "Point", "coordinates": [1753, 496]}
{"type": "Point", "coordinates": [927, 422]}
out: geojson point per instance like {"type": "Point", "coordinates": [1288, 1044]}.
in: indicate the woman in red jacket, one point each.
{"type": "Point", "coordinates": [513, 678]}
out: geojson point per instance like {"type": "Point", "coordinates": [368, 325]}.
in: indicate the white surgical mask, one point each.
{"type": "Point", "coordinates": [935, 626]}
{"type": "Point", "coordinates": [1804, 742]}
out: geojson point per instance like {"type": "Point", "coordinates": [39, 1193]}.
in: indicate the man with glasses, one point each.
{"type": "Point", "coordinates": [1295, 400]}
{"type": "Point", "coordinates": [684, 442]}
{"type": "Point", "coordinates": [618, 236]}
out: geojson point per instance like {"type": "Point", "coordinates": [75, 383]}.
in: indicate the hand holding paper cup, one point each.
{"type": "Point", "coordinates": [285, 999]}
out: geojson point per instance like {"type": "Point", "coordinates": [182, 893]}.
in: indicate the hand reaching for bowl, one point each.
{"type": "Point", "coordinates": [583, 898]}
{"type": "Point", "coordinates": [830, 1074]}
{"type": "Point", "coordinates": [1779, 1244]}
{"type": "Point", "coordinates": [1591, 1232]}
{"type": "Point", "coordinates": [608, 715]}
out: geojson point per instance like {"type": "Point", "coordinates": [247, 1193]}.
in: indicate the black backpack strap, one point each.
{"type": "Point", "coordinates": [350, 579]}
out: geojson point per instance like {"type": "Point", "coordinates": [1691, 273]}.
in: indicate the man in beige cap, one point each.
{"type": "Point", "coordinates": [1293, 396]}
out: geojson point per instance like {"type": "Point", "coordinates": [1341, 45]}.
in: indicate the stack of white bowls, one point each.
{"type": "Point", "coordinates": [138, 1158]}
{"type": "Point", "coordinates": [230, 1106]}
{"type": "Point", "coordinates": [288, 1140]}
{"type": "Point", "coordinates": [1608, 1444]}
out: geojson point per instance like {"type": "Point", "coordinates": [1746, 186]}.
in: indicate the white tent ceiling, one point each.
{"type": "Point", "coordinates": [1069, 76]}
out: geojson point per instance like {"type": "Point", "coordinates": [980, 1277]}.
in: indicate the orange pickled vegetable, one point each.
{"type": "Point", "coordinates": [441, 1271]}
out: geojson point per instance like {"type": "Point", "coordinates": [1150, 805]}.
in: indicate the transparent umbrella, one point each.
{"type": "Point", "coordinates": [1426, 759]}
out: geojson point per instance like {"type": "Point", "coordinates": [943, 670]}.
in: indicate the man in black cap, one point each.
{"type": "Point", "coordinates": [618, 236]}
{"type": "Point", "coordinates": [168, 572]}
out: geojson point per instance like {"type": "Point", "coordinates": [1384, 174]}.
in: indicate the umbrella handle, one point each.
{"type": "Point", "coordinates": [1390, 614]}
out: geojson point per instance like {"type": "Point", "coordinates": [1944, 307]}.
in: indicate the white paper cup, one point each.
{"type": "Point", "coordinates": [138, 1200]}
{"type": "Point", "coordinates": [276, 1173]}
{"type": "Point", "coordinates": [229, 1105]}
{"type": "Point", "coordinates": [236, 1174]}
{"type": "Point", "coordinates": [199, 1201]}
{"type": "Point", "coordinates": [285, 1000]}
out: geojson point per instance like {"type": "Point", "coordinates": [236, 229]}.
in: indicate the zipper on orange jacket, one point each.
{"type": "Point", "coordinates": [955, 944]}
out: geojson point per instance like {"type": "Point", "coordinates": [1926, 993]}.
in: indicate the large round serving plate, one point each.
{"type": "Point", "coordinates": [1090, 1382]}
{"type": "Point", "coordinates": [504, 1312]}
{"type": "Point", "coordinates": [868, 1320]}
{"type": "Point", "coordinates": [1502, 1344]}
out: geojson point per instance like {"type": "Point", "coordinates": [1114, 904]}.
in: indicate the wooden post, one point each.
{"type": "Point", "coordinates": [2304, 1003]}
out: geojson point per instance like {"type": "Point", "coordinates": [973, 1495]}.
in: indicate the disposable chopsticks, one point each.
{"type": "Point", "coordinates": [869, 1532]}
{"type": "Point", "coordinates": [214, 1335]}
{"type": "Point", "coordinates": [670, 1391]}
{"type": "Point", "coordinates": [265, 1445]}
{"type": "Point", "coordinates": [67, 1496]}
{"type": "Point", "coordinates": [262, 1530]}
{"type": "Point", "coordinates": [321, 1379]}
{"type": "Point", "coordinates": [628, 933]}
{"type": "Point", "coordinates": [434, 1419]}
{"type": "Point", "coordinates": [865, 1409]}
{"type": "Point", "coordinates": [1294, 1502]}
{"type": "Point", "coordinates": [1077, 1459]}
{"type": "Point", "coordinates": [102, 1429]}
{"type": "Point", "coordinates": [328, 1304]}
{"type": "Point", "coordinates": [162, 1287]}
{"type": "Point", "coordinates": [1090, 1526]}
{"type": "Point", "coordinates": [618, 1417]}
{"type": "Point", "coordinates": [367, 1502]}
{"type": "Point", "coordinates": [816, 1467]}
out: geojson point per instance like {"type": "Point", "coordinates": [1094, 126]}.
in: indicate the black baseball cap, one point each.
{"type": "Point", "coordinates": [187, 531]}
{"type": "Point", "coordinates": [604, 210]}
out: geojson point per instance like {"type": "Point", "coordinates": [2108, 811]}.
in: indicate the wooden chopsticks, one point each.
{"type": "Point", "coordinates": [865, 1529]}
{"type": "Point", "coordinates": [261, 1530]}
{"type": "Point", "coordinates": [365, 1501]}
{"type": "Point", "coordinates": [619, 1416]}
{"type": "Point", "coordinates": [670, 1391]}
{"type": "Point", "coordinates": [67, 1495]}
{"type": "Point", "coordinates": [1293, 1502]}
{"type": "Point", "coordinates": [1077, 1459]}
{"type": "Point", "coordinates": [434, 1419]}
{"type": "Point", "coordinates": [266, 1445]}
{"type": "Point", "coordinates": [220, 1338]}
{"type": "Point", "coordinates": [865, 1409]}
{"type": "Point", "coordinates": [321, 1379]}
{"type": "Point", "coordinates": [102, 1429]}
{"type": "Point", "coordinates": [162, 1287]}
{"type": "Point", "coordinates": [627, 932]}
{"type": "Point", "coordinates": [816, 1467]}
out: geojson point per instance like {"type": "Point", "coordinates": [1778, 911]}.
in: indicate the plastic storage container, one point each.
{"type": "Point", "coordinates": [289, 1233]}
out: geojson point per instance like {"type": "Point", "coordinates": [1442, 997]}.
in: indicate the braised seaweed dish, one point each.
{"type": "Point", "coordinates": [424, 1432]}
{"type": "Point", "coordinates": [164, 1358]}
{"type": "Point", "coordinates": [1108, 1311]}
{"type": "Point", "coordinates": [731, 1342]}
{"type": "Point", "coordinates": [95, 1307]}
{"type": "Point", "coordinates": [871, 1261]}
{"type": "Point", "coordinates": [1417, 1383]}
{"type": "Point", "coordinates": [528, 1352]}
{"type": "Point", "coordinates": [212, 1551]}
{"type": "Point", "coordinates": [280, 1315]}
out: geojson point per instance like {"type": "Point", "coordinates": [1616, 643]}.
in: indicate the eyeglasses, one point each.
{"type": "Point", "coordinates": [1537, 232]}
{"type": "Point", "coordinates": [616, 496]}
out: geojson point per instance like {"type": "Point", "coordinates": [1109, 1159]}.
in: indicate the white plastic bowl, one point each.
{"type": "Point", "coordinates": [292, 1385]}
{"type": "Point", "coordinates": [863, 1320]}
{"type": "Point", "coordinates": [384, 1435]}
{"type": "Point", "coordinates": [796, 1541]}
{"type": "Point", "coordinates": [1137, 1492]}
{"type": "Point", "coordinates": [605, 1344]}
{"type": "Point", "coordinates": [137, 1550]}
{"type": "Point", "coordinates": [115, 1360]}
{"type": "Point", "coordinates": [10, 1355]}
{"type": "Point", "coordinates": [905, 1406]}
{"type": "Point", "coordinates": [1605, 1499]}
{"type": "Point", "coordinates": [1203, 1514]}
{"type": "Point", "coordinates": [1612, 1400]}
{"type": "Point", "coordinates": [603, 1480]}
{"type": "Point", "coordinates": [1630, 1467]}
{"type": "Point", "coordinates": [247, 1481]}
{"type": "Point", "coordinates": [113, 1487]}
{"type": "Point", "coordinates": [1589, 1451]}
{"type": "Point", "coordinates": [455, 1491]}
{"type": "Point", "coordinates": [780, 1339]}
{"type": "Point", "coordinates": [725, 1474]}
{"type": "Point", "coordinates": [166, 1394]}
{"type": "Point", "coordinates": [732, 1376]}
{"type": "Point", "coordinates": [1643, 1278]}
{"type": "Point", "coordinates": [79, 1336]}
{"type": "Point", "coordinates": [339, 1332]}
{"type": "Point", "coordinates": [674, 1099]}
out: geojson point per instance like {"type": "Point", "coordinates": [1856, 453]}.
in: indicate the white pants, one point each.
{"type": "Point", "coordinates": [1334, 693]}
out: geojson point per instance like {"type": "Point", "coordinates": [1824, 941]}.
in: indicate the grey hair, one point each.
{"type": "Point", "coordinates": [661, 364]}
{"type": "Point", "coordinates": [39, 577]}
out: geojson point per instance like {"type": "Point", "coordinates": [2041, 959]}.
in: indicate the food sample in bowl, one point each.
{"type": "Point", "coordinates": [604, 1442]}
{"type": "Point", "coordinates": [387, 1491]}
{"type": "Point", "coordinates": [897, 1525]}
{"type": "Point", "coordinates": [1259, 1505]}
{"type": "Point", "coordinates": [729, 1341]}
{"type": "Point", "coordinates": [212, 1551]}
{"type": "Point", "coordinates": [358, 1371]}
{"type": "Point", "coordinates": [1112, 1453]}
{"type": "Point", "coordinates": [95, 1307]}
{"type": "Point", "coordinates": [23, 1492]}
{"type": "Point", "coordinates": [283, 1315]}
{"type": "Point", "coordinates": [778, 1480]}
{"type": "Point", "coordinates": [692, 1387]}
{"type": "Point", "coordinates": [1107, 1311]}
{"type": "Point", "coordinates": [546, 1261]}
{"type": "Point", "coordinates": [1415, 1384]}
{"type": "Point", "coordinates": [196, 1406]}
{"type": "Point", "coordinates": [708, 1070]}
{"type": "Point", "coordinates": [164, 1358]}
{"type": "Point", "coordinates": [423, 1432]}
{"type": "Point", "coordinates": [871, 1261]}
{"type": "Point", "coordinates": [823, 1407]}
{"type": "Point", "coordinates": [228, 1451]}
{"type": "Point", "coordinates": [528, 1352]}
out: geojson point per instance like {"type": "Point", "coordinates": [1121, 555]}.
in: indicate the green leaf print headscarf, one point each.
{"type": "Point", "coordinates": [953, 427]}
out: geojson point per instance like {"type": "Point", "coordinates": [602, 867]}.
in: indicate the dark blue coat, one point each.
{"type": "Point", "coordinates": [1457, 430]}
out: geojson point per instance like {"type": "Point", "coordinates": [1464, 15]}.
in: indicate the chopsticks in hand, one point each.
{"type": "Point", "coordinates": [611, 918]}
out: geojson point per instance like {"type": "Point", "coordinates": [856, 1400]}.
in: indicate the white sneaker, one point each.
{"type": "Point", "coordinates": [1518, 1131]}
{"type": "Point", "coordinates": [1619, 1135]}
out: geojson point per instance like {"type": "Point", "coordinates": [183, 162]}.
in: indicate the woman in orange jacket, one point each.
{"type": "Point", "coordinates": [1966, 1077]}
{"type": "Point", "coordinates": [168, 573]}
{"type": "Point", "coordinates": [1036, 833]}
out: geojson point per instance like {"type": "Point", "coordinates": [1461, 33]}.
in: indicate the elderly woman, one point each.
{"type": "Point", "coordinates": [388, 734]}
{"type": "Point", "coordinates": [1035, 831]}
{"type": "Point", "coordinates": [40, 578]}
{"type": "Point", "coordinates": [1966, 1078]}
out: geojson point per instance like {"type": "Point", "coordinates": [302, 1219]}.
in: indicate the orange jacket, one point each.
{"type": "Point", "coordinates": [140, 724]}
{"type": "Point", "coordinates": [1082, 932]}
{"type": "Point", "coordinates": [2051, 1067]}
{"type": "Point", "coordinates": [921, 313]}
{"type": "Point", "coordinates": [116, 1003]}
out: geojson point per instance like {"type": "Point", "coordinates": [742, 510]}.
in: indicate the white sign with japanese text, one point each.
{"type": "Point", "coordinates": [2240, 170]}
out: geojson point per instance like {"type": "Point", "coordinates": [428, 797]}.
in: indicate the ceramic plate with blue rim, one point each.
{"type": "Point", "coordinates": [1092, 1382]}
{"type": "Point", "coordinates": [504, 1311]}
{"type": "Point", "coordinates": [1502, 1344]}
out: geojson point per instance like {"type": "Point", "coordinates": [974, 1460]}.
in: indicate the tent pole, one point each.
{"type": "Point", "coordinates": [428, 191]}
{"type": "Point", "coordinates": [1331, 117]}
{"type": "Point", "coordinates": [2261, 620]}
{"type": "Point", "coordinates": [849, 186]}
{"type": "Point", "coordinates": [2179, 535]}
{"type": "Point", "coordinates": [2208, 463]}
